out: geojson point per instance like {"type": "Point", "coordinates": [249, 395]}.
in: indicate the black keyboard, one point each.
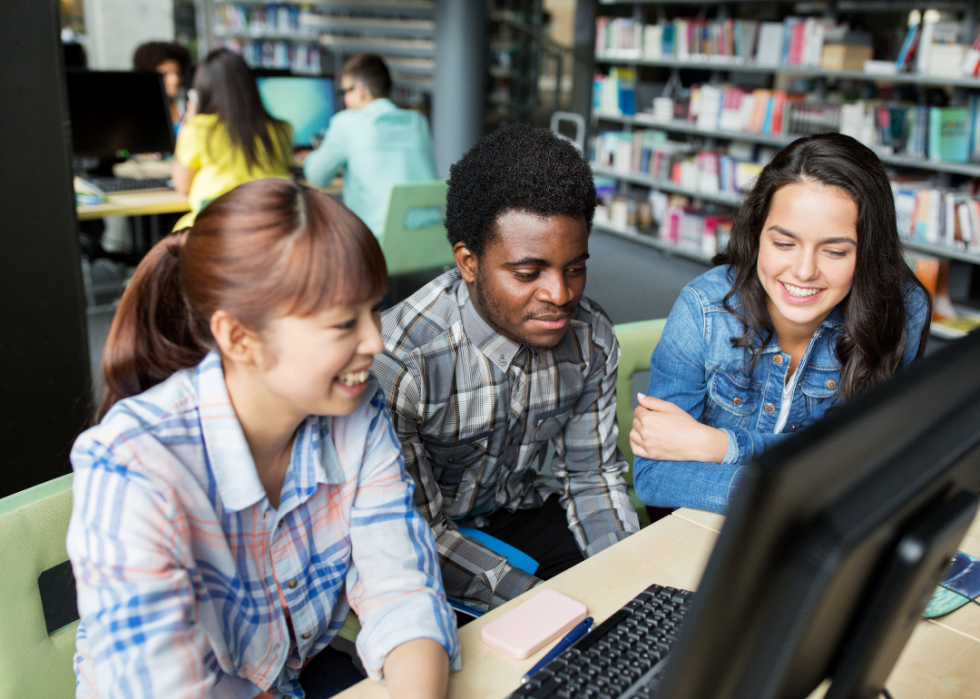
{"type": "Point", "coordinates": [126, 184]}
{"type": "Point", "coordinates": [621, 658]}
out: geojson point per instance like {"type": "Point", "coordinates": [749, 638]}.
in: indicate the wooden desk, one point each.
{"type": "Point", "coordinates": [137, 203]}
{"type": "Point", "coordinates": [939, 660]}
{"type": "Point", "coordinates": [158, 201]}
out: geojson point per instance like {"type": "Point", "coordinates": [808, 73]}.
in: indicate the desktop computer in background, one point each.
{"type": "Point", "coordinates": [115, 114]}
{"type": "Point", "coordinates": [307, 103]}
{"type": "Point", "coordinates": [834, 543]}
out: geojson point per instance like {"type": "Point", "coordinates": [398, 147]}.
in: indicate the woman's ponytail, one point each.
{"type": "Point", "coordinates": [151, 335]}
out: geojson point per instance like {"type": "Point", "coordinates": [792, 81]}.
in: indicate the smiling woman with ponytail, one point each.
{"type": "Point", "coordinates": [243, 488]}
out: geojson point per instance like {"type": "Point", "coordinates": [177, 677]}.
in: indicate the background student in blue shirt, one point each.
{"type": "Point", "coordinates": [377, 144]}
{"type": "Point", "coordinates": [813, 303]}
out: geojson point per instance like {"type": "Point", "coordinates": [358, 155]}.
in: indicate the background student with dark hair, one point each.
{"type": "Point", "coordinates": [490, 363]}
{"type": "Point", "coordinates": [171, 61]}
{"type": "Point", "coordinates": [228, 137]}
{"type": "Point", "coordinates": [812, 304]}
{"type": "Point", "coordinates": [377, 144]}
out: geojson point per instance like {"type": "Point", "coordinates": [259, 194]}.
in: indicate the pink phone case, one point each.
{"type": "Point", "coordinates": [524, 630]}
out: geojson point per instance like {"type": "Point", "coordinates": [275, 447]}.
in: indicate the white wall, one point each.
{"type": "Point", "coordinates": [114, 28]}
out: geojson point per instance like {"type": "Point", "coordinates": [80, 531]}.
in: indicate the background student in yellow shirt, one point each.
{"type": "Point", "coordinates": [228, 138]}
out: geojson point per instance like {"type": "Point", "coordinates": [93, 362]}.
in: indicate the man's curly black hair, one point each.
{"type": "Point", "coordinates": [516, 169]}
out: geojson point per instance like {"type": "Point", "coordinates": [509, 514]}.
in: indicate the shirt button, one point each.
{"type": "Point", "coordinates": [770, 408]}
{"type": "Point", "coordinates": [281, 521]}
{"type": "Point", "coordinates": [736, 401]}
{"type": "Point", "coordinates": [307, 635]}
{"type": "Point", "coordinates": [777, 359]}
{"type": "Point", "coordinates": [831, 384]}
{"type": "Point", "coordinates": [503, 360]}
{"type": "Point", "coordinates": [292, 583]}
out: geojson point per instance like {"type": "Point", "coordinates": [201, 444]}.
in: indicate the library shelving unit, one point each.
{"type": "Point", "coordinates": [731, 70]}
{"type": "Point", "coordinates": [316, 36]}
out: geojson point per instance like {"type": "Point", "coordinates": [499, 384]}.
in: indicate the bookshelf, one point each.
{"type": "Point", "coordinates": [780, 140]}
{"type": "Point", "coordinates": [316, 36]}
{"type": "Point", "coordinates": [735, 70]}
{"type": "Point", "coordinates": [717, 63]}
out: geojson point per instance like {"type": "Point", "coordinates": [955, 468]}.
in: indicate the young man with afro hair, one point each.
{"type": "Point", "coordinates": [493, 361]}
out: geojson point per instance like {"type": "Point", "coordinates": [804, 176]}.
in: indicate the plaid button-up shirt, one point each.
{"type": "Point", "coordinates": [190, 584]}
{"type": "Point", "coordinates": [475, 412]}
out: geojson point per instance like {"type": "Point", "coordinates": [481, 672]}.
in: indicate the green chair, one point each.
{"type": "Point", "coordinates": [351, 628]}
{"type": "Point", "coordinates": [33, 527]}
{"type": "Point", "coordinates": [409, 250]}
{"type": "Point", "coordinates": [636, 343]}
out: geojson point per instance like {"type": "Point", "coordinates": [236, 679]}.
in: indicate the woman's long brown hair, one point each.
{"type": "Point", "coordinates": [871, 345]}
{"type": "Point", "coordinates": [226, 87]}
{"type": "Point", "coordinates": [267, 248]}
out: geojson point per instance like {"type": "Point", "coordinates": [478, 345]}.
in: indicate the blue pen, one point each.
{"type": "Point", "coordinates": [571, 637]}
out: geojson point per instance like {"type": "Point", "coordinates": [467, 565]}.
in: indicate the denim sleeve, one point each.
{"type": "Point", "coordinates": [677, 374]}
{"type": "Point", "coordinates": [321, 166]}
{"type": "Point", "coordinates": [916, 317]}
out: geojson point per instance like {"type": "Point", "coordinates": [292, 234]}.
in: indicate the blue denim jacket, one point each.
{"type": "Point", "coordinates": [695, 367]}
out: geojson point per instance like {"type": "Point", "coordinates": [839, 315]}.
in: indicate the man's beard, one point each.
{"type": "Point", "coordinates": [491, 313]}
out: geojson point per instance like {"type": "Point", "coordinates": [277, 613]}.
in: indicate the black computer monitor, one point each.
{"type": "Point", "coordinates": [117, 113]}
{"type": "Point", "coordinates": [307, 103]}
{"type": "Point", "coordinates": [835, 541]}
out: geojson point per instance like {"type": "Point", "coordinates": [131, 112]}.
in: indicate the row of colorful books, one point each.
{"type": "Point", "coordinates": [671, 218]}
{"type": "Point", "coordinates": [736, 109]}
{"type": "Point", "coordinates": [299, 57]}
{"type": "Point", "coordinates": [649, 152]}
{"type": "Point", "coordinates": [937, 216]}
{"type": "Point", "coordinates": [796, 41]}
{"type": "Point", "coordinates": [942, 134]}
{"type": "Point", "coordinates": [258, 19]}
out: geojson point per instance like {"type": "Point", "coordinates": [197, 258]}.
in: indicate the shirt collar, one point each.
{"type": "Point", "coordinates": [382, 104]}
{"type": "Point", "coordinates": [230, 458]}
{"type": "Point", "coordinates": [500, 350]}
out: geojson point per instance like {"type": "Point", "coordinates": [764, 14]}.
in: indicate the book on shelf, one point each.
{"type": "Point", "coordinates": [970, 67]}
{"type": "Point", "coordinates": [949, 134]}
{"type": "Point", "coordinates": [934, 33]}
{"type": "Point", "coordinates": [615, 93]}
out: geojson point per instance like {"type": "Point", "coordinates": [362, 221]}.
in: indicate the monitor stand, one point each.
{"type": "Point", "coordinates": [910, 576]}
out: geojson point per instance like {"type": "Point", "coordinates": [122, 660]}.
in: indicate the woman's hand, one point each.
{"type": "Point", "coordinates": [417, 669]}
{"type": "Point", "coordinates": [663, 432]}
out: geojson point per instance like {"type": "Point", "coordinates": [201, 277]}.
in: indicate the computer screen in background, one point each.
{"type": "Point", "coordinates": [307, 103]}
{"type": "Point", "coordinates": [835, 541]}
{"type": "Point", "coordinates": [118, 113]}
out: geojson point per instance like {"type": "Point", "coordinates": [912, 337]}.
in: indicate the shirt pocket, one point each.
{"type": "Point", "coordinates": [820, 383]}
{"type": "Point", "coordinates": [451, 460]}
{"type": "Point", "coordinates": [732, 400]}
{"type": "Point", "coordinates": [550, 424]}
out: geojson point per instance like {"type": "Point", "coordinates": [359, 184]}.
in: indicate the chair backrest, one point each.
{"type": "Point", "coordinates": [33, 527]}
{"type": "Point", "coordinates": [636, 343]}
{"type": "Point", "coordinates": [409, 250]}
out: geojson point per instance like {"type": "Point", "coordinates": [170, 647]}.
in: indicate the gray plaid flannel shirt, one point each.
{"type": "Point", "coordinates": [475, 412]}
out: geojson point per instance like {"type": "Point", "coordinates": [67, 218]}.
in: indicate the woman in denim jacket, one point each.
{"type": "Point", "coordinates": [813, 304]}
